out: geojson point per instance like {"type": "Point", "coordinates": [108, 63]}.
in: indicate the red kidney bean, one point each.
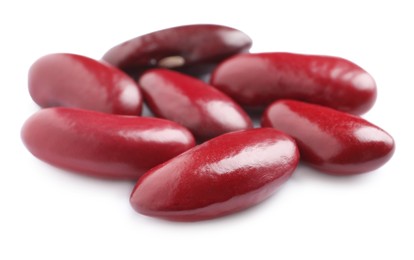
{"type": "Point", "coordinates": [223, 175]}
{"type": "Point", "coordinates": [259, 79]}
{"type": "Point", "coordinates": [103, 145]}
{"type": "Point", "coordinates": [71, 80]}
{"type": "Point", "coordinates": [329, 140]}
{"type": "Point", "coordinates": [192, 103]}
{"type": "Point", "coordinates": [179, 46]}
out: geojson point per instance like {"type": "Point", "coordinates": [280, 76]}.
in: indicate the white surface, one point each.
{"type": "Point", "coordinates": [48, 213]}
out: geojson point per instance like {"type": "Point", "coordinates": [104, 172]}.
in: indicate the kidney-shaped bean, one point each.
{"type": "Point", "coordinates": [71, 80]}
{"type": "Point", "coordinates": [192, 103]}
{"type": "Point", "coordinates": [179, 46]}
{"type": "Point", "coordinates": [103, 145]}
{"type": "Point", "coordinates": [329, 140]}
{"type": "Point", "coordinates": [223, 175]}
{"type": "Point", "coordinates": [259, 79]}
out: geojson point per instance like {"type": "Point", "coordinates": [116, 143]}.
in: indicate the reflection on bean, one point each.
{"type": "Point", "coordinates": [179, 46]}
{"type": "Point", "coordinates": [202, 109]}
{"type": "Point", "coordinates": [71, 80]}
{"type": "Point", "coordinates": [103, 145]}
{"type": "Point", "coordinates": [259, 79]}
{"type": "Point", "coordinates": [221, 176]}
{"type": "Point", "coordinates": [329, 140]}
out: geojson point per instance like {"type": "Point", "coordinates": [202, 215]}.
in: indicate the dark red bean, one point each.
{"type": "Point", "coordinates": [179, 46]}
{"type": "Point", "coordinates": [259, 79]}
{"type": "Point", "coordinates": [192, 103]}
{"type": "Point", "coordinates": [71, 80]}
{"type": "Point", "coordinates": [103, 145]}
{"type": "Point", "coordinates": [223, 175]}
{"type": "Point", "coordinates": [329, 140]}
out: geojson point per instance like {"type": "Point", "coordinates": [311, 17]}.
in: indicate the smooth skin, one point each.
{"type": "Point", "coordinates": [331, 141]}
{"type": "Point", "coordinates": [204, 110]}
{"type": "Point", "coordinates": [177, 47]}
{"type": "Point", "coordinates": [222, 176]}
{"type": "Point", "coordinates": [103, 145]}
{"type": "Point", "coordinates": [71, 80]}
{"type": "Point", "coordinates": [256, 80]}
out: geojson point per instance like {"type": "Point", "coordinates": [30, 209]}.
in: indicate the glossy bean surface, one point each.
{"type": "Point", "coordinates": [329, 140]}
{"type": "Point", "coordinates": [72, 80]}
{"type": "Point", "coordinates": [179, 46]}
{"type": "Point", "coordinates": [192, 103]}
{"type": "Point", "coordinates": [259, 79]}
{"type": "Point", "coordinates": [223, 175]}
{"type": "Point", "coordinates": [103, 145]}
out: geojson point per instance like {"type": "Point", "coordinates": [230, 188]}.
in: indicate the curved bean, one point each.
{"type": "Point", "coordinates": [72, 80]}
{"type": "Point", "coordinates": [329, 140]}
{"type": "Point", "coordinates": [221, 176]}
{"type": "Point", "coordinates": [103, 145]}
{"type": "Point", "coordinates": [259, 79]}
{"type": "Point", "coordinates": [179, 46]}
{"type": "Point", "coordinates": [204, 110]}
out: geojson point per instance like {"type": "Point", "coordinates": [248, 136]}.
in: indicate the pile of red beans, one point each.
{"type": "Point", "coordinates": [201, 158]}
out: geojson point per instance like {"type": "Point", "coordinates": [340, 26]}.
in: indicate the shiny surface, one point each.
{"type": "Point", "coordinates": [103, 145]}
{"type": "Point", "coordinates": [179, 46]}
{"type": "Point", "coordinates": [330, 140]}
{"type": "Point", "coordinates": [224, 175]}
{"type": "Point", "coordinates": [192, 103]}
{"type": "Point", "coordinates": [259, 79]}
{"type": "Point", "coordinates": [76, 81]}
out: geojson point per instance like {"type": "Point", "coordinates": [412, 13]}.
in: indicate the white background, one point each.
{"type": "Point", "coordinates": [48, 213]}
